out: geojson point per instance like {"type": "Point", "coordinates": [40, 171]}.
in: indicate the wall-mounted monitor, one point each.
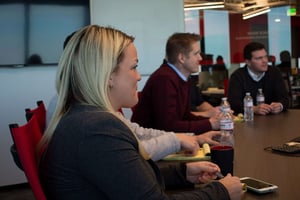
{"type": "Point", "coordinates": [33, 31]}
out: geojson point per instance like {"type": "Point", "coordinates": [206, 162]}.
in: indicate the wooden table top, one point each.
{"type": "Point", "coordinates": [251, 138]}
{"type": "Point", "coordinates": [251, 159]}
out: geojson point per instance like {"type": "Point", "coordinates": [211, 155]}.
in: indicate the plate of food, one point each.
{"type": "Point", "coordinates": [203, 154]}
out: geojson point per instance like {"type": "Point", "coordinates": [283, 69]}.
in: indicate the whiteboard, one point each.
{"type": "Point", "coordinates": [151, 22]}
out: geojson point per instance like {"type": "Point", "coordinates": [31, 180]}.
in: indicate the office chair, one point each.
{"type": "Point", "coordinates": [40, 112]}
{"type": "Point", "coordinates": [26, 138]}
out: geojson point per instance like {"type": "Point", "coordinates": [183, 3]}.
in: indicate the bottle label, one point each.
{"type": "Point", "coordinates": [226, 109]}
{"type": "Point", "coordinates": [249, 103]}
{"type": "Point", "coordinates": [260, 99]}
{"type": "Point", "coordinates": [226, 124]}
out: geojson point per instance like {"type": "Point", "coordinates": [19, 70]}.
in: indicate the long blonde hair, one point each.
{"type": "Point", "coordinates": [89, 58]}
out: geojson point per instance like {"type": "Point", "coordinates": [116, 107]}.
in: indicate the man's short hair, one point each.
{"type": "Point", "coordinates": [180, 43]}
{"type": "Point", "coordinates": [250, 47]}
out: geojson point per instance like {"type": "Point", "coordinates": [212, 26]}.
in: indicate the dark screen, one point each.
{"type": "Point", "coordinates": [255, 184]}
{"type": "Point", "coordinates": [33, 32]}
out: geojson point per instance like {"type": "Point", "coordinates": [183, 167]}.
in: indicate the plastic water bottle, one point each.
{"type": "Point", "coordinates": [226, 124]}
{"type": "Point", "coordinates": [248, 107]}
{"type": "Point", "coordinates": [225, 105]}
{"type": "Point", "coordinates": [260, 98]}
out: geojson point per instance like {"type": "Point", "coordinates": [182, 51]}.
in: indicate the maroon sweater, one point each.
{"type": "Point", "coordinates": [164, 103]}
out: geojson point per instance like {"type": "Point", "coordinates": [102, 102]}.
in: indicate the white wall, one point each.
{"type": "Point", "coordinates": [151, 22]}
{"type": "Point", "coordinates": [279, 31]}
{"type": "Point", "coordinates": [20, 88]}
{"type": "Point", "coordinates": [216, 28]}
{"type": "Point", "coordinates": [191, 20]}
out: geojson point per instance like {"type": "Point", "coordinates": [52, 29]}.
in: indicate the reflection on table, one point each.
{"type": "Point", "coordinates": [252, 160]}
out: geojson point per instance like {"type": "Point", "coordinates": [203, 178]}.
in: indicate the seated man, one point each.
{"type": "Point", "coordinates": [164, 102]}
{"type": "Point", "coordinates": [257, 74]}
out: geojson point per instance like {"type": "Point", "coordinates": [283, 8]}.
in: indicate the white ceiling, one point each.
{"type": "Point", "coordinates": [241, 6]}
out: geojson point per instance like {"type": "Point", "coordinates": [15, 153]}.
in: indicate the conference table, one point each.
{"type": "Point", "coordinates": [251, 159]}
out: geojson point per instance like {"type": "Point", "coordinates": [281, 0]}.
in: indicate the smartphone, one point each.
{"type": "Point", "coordinates": [258, 186]}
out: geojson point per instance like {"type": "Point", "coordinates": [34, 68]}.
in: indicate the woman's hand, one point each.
{"type": "Point", "coordinates": [209, 137]}
{"type": "Point", "coordinates": [188, 143]}
{"type": "Point", "coordinates": [201, 172]}
{"type": "Point", "coordinates": [191, 144]}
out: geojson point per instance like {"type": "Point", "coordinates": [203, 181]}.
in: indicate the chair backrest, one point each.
{"type": "Point", "coordinates": [40, 112]}
{"type": "Point", "coordinates": [26, 138]}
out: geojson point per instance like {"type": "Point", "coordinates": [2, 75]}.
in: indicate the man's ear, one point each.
{"type": "Point", "coordinates": [247, 62]}
{"type": "Point", "coordinates": [181, 58]}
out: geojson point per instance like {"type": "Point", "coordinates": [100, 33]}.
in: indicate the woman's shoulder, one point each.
{"type": "Point", "coordinates": [96, 120]}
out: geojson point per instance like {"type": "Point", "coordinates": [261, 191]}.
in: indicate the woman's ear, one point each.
{"type": "Point", "coordinates": [110, 81]}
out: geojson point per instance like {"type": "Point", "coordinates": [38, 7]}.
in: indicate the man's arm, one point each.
{"type": "Point", "coordinates": [236, 92]}
{"type": "Point", "coordinates": [205, 109]}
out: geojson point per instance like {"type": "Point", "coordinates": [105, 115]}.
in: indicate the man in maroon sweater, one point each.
{"type": "Point", "coordinates": [164, 102]}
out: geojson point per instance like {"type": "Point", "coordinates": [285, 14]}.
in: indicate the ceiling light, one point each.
{"type": "Point", "coordinates": [277, 20]}
{"type": "Point", "coordinates": [201, 6]}
{"type": "Point", "coordinates": [256, 12]}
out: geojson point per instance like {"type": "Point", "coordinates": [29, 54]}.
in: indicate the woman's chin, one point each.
{"type": "Point", "coordinates": [131, 104]}
{"type": "Point", "coordinates": [135, 102]}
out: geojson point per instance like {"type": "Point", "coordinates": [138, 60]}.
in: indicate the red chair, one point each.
{"type": "Point", "coordinates": [26, 138]}
{"type": "Point", "coordinates": [40, 112]}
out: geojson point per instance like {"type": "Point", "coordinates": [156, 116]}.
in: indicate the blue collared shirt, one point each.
{"type": "Point", "coordinates": [178, 72]}
{"type": "Point", "coordinates": [254, 76]}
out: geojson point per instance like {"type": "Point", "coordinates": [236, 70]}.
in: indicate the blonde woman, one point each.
{"type": "Point", "coordinates": [89, 151]}
{"type": "Point", "coordinates": [158, 143]}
